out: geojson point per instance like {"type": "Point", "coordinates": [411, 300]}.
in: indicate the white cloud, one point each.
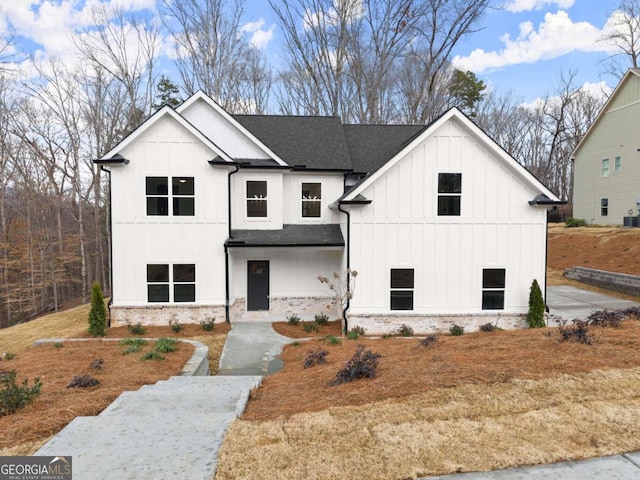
{"type": "Point", "coordinates": [516, 6]}
{"type": "Point", "coordinates": [259, 37]}
{"type": "Point", "coordinates": [557, 35]}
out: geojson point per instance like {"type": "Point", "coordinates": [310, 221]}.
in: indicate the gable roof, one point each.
{"type": "Point", "coordinates": [165, 111]}
{"type": "Point", "coordinates": [632, 72]}
{"type": "Point", "coordinates": [453, 113]}
{"type": "Point", "coordinates": [203, 97]}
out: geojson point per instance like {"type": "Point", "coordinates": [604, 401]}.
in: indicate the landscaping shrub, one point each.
{"type": "Point", "coordinates": [363, 364]}
{"type": "Point", "coordinates": [428, 340]}
{"type": "Point", "coordinates": [632, 312]}
{"type": "Point", "coordinates": [293, 320]}
{"type": "Point", "coordinates": [321, 319]}
{"type": "Point", "coordinates": [133, 344]}
{"type": "Point", "coordinates": [8, 356]}
{"type": "Point", "coordinates": [98, 312]}
{"type": "Point", "coordinates": [315, 357]}
{"type": "Point", "coordinates": [152, 355]}
{"type": "Point", "coordinates": [176, 326]}
{"type": "Point", "coordinates": [456, 330]}
{"type": "Point", "coordinates": [405, 330]}
{"type": "Point", "coordinates": [355, 333]}
{"type": "Point", "coordinates": [535, 315]}
{"type": "Point", "coordinates": [57, 345]}
{"type": "Point", "coordinates": [331, 340]}
{"type": "Point", "coordinates": [13, 397]}
{"type": "Point", "coordinates": [208, 325]}
{"type": "Point", "coordinates": [488, 327]}
{"type": "Point", "coordinates": [577, 332]}
{"type": "Point", "coordinates": [166, 345]}
{"type": "Point", "coordinates": [83, 381]}
{"type": "Point", "coordinates": [96, 364]}
{"type": "Point", "coordinates": [575, 222]}
{"type": "Point", "coordinates": [606, 318]}
{"type": "Point", "coordinates": [137, 329]}
{"type": "Point", "coordinates": [309, 327]}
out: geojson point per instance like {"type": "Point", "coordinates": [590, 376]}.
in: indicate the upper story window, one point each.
{"type": "Point", "coordinates": [256, 198]}
{"type": "Point", "coordinates": [617, 164]}
{"type": "Point", "coordinates": [605, 167]}
{"type": "Point", "coordinates": [402, 286]}
{"type": "Point", "coordinates": [449, 193]}
{"type": "Point", "coordinates": [180, 197]}
{"type": "Point", "coordinates": [493, 286]}
{"type": "Point", "coordinates": [181, 282]}
{"type": "Point", "coordinates": [311, 199]}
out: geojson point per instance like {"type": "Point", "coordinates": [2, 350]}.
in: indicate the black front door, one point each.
{"type": "Point", "coordinates": [258, 285]}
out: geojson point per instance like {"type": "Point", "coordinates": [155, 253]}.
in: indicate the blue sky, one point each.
{"type": "Point", "coordinates": [524, 46]}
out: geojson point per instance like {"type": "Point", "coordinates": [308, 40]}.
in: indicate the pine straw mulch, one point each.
{"type": "Point", "coordinates": [283, 328]}
{"type": "Point", "coordinates": [478, 402]}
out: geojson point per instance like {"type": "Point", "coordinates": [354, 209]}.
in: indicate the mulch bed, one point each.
{"type": "Point", "coordinates": [188, 330]}
{"type": "Point", "coordinates": [283, 328]}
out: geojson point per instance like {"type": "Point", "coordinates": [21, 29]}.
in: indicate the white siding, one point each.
{"type": "Point", "coordinates": [168, 150]}
{"type": "Point", "coordinates": [239, 218]}
{"type": "Point", "coordinates": [401, 229]}
{"type": "Point", "coordinates": [332, 188]}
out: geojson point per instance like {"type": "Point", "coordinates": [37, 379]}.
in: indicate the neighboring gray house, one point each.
{"type": "Point", "coordinates": [606, 185]}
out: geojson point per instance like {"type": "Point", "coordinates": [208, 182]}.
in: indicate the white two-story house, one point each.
{"type": "Point", "coordinates": [235, 216]}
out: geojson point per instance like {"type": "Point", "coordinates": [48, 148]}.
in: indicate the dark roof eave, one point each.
{"type": "Point", "coordinates": [117, 159]}
{"type": "Point", "coordinates": [233, 244]}
{"type": "Point", "coordinates": [544, 201]}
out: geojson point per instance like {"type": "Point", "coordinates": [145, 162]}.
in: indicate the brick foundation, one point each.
{"type": "Point", "coordinates": [162, 314]}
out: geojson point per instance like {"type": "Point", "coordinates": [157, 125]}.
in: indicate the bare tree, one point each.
{"type": "Point", "coordinates": [625, 36]}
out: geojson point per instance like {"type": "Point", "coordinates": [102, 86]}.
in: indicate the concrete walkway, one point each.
{"type": "Point", "coordinates": [172, 429]}
{"type": "Point", "coordinates": [571, 302]}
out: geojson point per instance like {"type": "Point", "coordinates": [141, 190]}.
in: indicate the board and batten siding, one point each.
{"type": "Point", "coordinates": [615, 135]}
{"type": "Point", "coordinates": [497, 228]}
{"type": "Point", "coordinates": [167, 150]}
{"type": "Point", "coordinates": [332, 189]}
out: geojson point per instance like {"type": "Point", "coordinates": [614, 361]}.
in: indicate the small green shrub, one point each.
{"type": "Point", "coordinates": [13, 397]}
{"type": "Point", "coordinates": [405, 330]}
{"type": "Point", "coordinates": [98, 312]}
{"type": "Point", "coordinates": [309, 327]}
{"type": "Point", "coordinates": [57, 345]}
{"type": "Point", "coordinates": [356, 332]}
{"type": "Point", "coordinates": [8, 355]}
{"type": "Point", "coordinates": [363, 364]}
{"type": "Point", "coordinates": [136, 329]}
{"type": "Point", "coordinates": [330, 340]}
{"type": "Point", "coordinates": [152, 355]}
{"type": "Point", "coordinates": [387, 335]}
{"type": "Point", "coordinates": [176, 326]}
{"type": "Point", "coordinates": [535, 315]}
{"type": "Point", "coordinates": [296, 343]}
{"type": "Point", "coordinates": [96, 364]}
{"type": "Point", "coordinates": [133, 344]}
{"type": "Point", "coordinates": [293, 320]}
{"type": "Point", "coordinates": [575, 222]}
{"type": "Point", "coordinates": [208, 325]}
{"type": "Point", "coordinates": [428, 340]}
{"type": "Point", "coordinates": [456, 330]}
{"type": "Point", "coordinates": [315, 357]}
{"type": "Point", "coordinates": [321, 319]}
{"type": "Point", "coordinates": [166, 345]}
{"type": "Point", "coordinates": [83, 381]}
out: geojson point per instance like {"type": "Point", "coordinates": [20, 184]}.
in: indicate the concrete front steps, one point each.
{"type": "Point", "coordinates": [172, 429]}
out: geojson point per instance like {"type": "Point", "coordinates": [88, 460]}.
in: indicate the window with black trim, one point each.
{"type": "Point", "coordinates": [493, 287]}
{"type": "Point", "coordinates": [181, 197]}
{"type": "Point", "coordinates": [402, 287]}
{"type": "Point", "coordinates": [449, 194]}
{"type": "Point", "coordinates": [256, 198]}
{"type": "Point", "coordinates": [171, 283]}
{"type": "Point", "coordinates": [311, 199]}
{"type": "Point", "coordinates": [604, 207]}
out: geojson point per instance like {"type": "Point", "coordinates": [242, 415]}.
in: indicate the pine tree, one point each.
{"type": "Point", "coordinates": [535, 316]}
{"type": "Point", "coordinates": [98, 312]}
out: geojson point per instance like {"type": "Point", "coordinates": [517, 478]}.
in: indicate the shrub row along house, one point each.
{"type": "Point", "coordinates": [235, 217]}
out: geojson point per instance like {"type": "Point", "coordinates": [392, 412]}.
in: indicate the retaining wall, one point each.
{"type": "Point", "coordinates": [617, 282]}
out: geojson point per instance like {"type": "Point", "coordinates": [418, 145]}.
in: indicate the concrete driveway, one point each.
{"type": "Point", "coordinates": [571, 302]}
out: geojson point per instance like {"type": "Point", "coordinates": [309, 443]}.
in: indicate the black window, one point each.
{"type": "Point", "coordinates": [183, 281]}
{"type": "Point", "coordinates": [493, 286]}
{"type": "Point", "coordinates": [402, 285]}
{"type": "Point", "coordinates": [182, 196]}
{"type": "Point", "coordinates": [449, 193]}
{"type": "Point", "coordinates": [604, 207]}
{"type": "Point", "coordinates": [311, 199]}
{"type": "Point", "coordinates": [256, 198]}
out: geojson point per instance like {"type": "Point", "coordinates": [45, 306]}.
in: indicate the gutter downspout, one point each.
{"type": "Point", "coordinates": [110, 248]}
{"type": "Point", "coordinates": [226, 249]}
{"type": "Point", "coordinates": [344, 311]}
{"type": "Point", "coordinates": [546, 259]}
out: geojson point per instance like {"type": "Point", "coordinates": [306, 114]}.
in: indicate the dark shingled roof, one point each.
{"type": "Point", "coordinates": [316, 142]}
{"type": "Point", "coordinates": [290, 236]}
{"type": "Point", "coordinates": [371, 146]}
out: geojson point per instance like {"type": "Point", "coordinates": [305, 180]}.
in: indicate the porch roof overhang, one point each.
{"type": "Point", "coordinates": [542, 201]}
{"type": "Point", "coordinates": [326, 235]}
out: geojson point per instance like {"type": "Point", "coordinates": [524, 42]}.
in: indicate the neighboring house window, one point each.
{"type": "Point", "coordinates": [449, 193]}
{"type": "Point", "coordinates": [493, 286]}
{"type": "Point", "coordinates": [183, 281]}
{"type": "Point", "coordinates": [617, 164]}
{"type": "Point", "coordinates": [402, 286]}
{"type": "Point", "coordinates": [256, 198]}
{"type": "Point", "coordinates": [182, 195]}
{"type": "Point", "coordinates": [604, 207]}
{"type": "Point", "coordinates": [311, 199]}
{"type": "Point", "coordinates": [605, 167]}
